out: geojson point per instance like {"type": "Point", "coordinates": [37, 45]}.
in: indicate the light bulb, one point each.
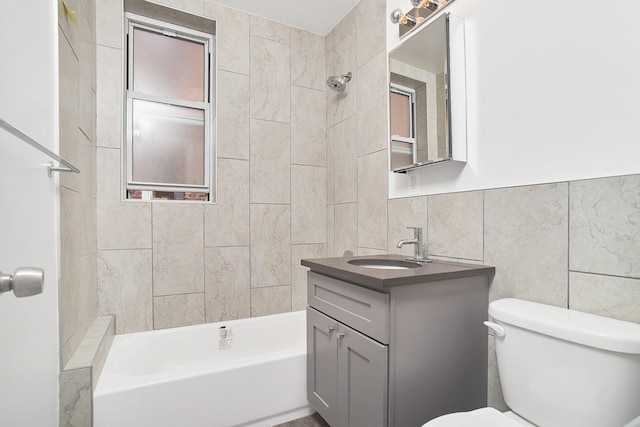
{"type": "Point", "coordinates": [427, 4]}
{"type": "Point", "coordinates": [399, 17]}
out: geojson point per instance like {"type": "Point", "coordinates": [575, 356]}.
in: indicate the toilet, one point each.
{"type": "Point", "coordinates": [559, 368]}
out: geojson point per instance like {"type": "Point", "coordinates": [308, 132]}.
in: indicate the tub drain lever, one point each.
{"type": "Point", "coordinates": [225, 335]}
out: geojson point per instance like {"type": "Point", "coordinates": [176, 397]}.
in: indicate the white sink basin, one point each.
{"type": "Point", "coordinates": [384, 264]}
{"type": "Point", "coordinates": [385, 267]}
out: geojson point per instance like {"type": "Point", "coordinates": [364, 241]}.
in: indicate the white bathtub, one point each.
{"type": "Point", "coordinates": [179, 377]}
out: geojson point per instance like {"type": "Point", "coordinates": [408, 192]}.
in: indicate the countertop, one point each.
{"type": "Point", "coordinates": [381, 280]}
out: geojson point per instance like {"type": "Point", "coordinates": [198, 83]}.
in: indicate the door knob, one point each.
{"type": "Point", "coordinates": [25, 282]}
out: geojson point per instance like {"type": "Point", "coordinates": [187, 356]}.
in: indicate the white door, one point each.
{"type": "Point", "coordinates": [29, 360]}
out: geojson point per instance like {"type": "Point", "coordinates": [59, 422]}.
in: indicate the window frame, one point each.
{"type": "Point", "coordinates": [133, 21]}
{"type": "Point", "coordinates": [411, 96]}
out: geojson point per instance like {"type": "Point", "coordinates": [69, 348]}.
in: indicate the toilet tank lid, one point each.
{"type": "Point", "coordinates": [570, 325]}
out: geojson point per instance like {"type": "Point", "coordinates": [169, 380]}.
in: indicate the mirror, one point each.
{"type": "Point", "coordinates": [419, 102]}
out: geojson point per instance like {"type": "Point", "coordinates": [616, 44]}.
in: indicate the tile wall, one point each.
{"type": "Point", "coordinates": [357, 133]}
{"type": "Point", "coordinates": [166, 264]}
{"type": "Point", "coordinates": [78, 381]}
{"type": "Point", "coordinates": [569, 244]}
{"type": "Point", "coordinates": [77, 101]}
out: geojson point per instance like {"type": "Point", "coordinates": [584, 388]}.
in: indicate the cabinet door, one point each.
{"type": "Point", "coordinates": [322, 365]}
{"type": "Point", "coordinates": [362, 380]}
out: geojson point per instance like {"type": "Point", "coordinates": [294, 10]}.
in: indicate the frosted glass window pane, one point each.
{"type": "Point", "coordinates": [167, 144]}
{"type": "Point", "coordinates": [400, 115]}
{"type": "Point", "coordinates": [168, 66]}
{"type": "Point", "coordinates": [401, 154]}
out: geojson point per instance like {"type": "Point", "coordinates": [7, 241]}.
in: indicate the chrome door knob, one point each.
{"type": "Point", "coordinates": [25, 282]}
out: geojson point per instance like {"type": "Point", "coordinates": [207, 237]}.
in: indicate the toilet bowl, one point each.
{"type": "Point", "coordinates": [559, 368]}
{"type": "Point", "coordinates": [489, 417]}
{"type": "Point", "coordinates": [484, 417]}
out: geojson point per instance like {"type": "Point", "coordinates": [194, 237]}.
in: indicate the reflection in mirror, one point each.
{"type": "Point", "coordinates": [418, 98]}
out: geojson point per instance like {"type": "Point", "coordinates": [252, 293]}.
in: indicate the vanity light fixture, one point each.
{"type": "Point", "coordinates": [422, 12]}
{"type": "Point", "coordinates": [426, 4]}
{"type": "Point", "coordinates": [399, 17]}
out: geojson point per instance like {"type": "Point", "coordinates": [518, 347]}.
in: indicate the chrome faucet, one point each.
{"type": "Point", "coordinates": [419, 245]}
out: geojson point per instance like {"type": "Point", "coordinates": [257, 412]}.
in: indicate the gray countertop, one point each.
{"type": "Point", "coordinates": [381, 280]}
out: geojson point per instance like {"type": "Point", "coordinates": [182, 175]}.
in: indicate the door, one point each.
{"type": "Point", "coordinates": [29, 363]}
{"type": "Point", "coordinates": [362, 380]}
{"type": "Point", "coordinates": [322, 365]}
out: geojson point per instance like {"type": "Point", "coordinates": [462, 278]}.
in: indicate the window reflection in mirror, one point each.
{"type": "Point", "coordinates": [418, 98]}
{"type": "Point", "coordinates": [403, 132]}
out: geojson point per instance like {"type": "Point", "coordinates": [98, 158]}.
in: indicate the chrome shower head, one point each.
{"type": "Point", "coordinates": [339, 83]}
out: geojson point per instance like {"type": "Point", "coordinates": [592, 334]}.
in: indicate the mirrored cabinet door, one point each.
{"type": "Point", "coordinates": [420, 71]}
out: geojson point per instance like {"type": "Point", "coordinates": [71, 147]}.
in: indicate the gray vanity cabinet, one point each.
{"type": "Point", "coordinates": [362, 380]}
{"type": "Point", "coordinates": [322, 365]}
{"type": "Point", "coordinates": [387, 354]}
{"type": "Point", "coordinates": [346, 373]}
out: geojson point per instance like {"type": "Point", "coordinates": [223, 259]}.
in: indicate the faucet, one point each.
{"type": "Point", "coordinates": [419, 245]}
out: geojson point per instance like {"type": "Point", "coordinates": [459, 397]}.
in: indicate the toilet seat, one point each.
{"type": "Point", "coordinates": [484, 417]}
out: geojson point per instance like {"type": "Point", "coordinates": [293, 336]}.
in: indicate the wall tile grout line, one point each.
{"type": "Point", "coordinates": [291, 266]}
{"type": "Point", "coordinates": [484, 211]}
{"type": "Point", "coordinates": [568, 244]}
{"type": "Point", "coordinates": [249, 183]}
{"type": "Point", "coordinates": [153, 290]}
{"type": "Point", "coordinates": [204, 261]}
{"type": "Point", "coordinates": [591, 273]}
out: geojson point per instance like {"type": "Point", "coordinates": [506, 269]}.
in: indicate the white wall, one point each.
{"type": "Point", "coordinates": [28, 213]}
{"type": "Point", "coordinates": [552, 95]}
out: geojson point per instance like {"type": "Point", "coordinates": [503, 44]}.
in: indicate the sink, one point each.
{"type": "Point", "coordinates": [384, 264]}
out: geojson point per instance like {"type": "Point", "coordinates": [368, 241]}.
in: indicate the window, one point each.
{"type": "Point", "coordinates": [169, 138]}
{"type": "Point", "coordinates": [403, 134]}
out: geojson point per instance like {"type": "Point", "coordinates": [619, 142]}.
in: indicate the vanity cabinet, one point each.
{"type": "Point", "coordinates": [347, 373]}
{"type": "Point", "coordinates": [380, 353]}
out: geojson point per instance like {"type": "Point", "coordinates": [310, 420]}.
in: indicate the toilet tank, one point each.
{"type": "Point", "coordinates": [564, 368]}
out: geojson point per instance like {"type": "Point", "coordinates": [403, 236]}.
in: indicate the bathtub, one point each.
{"type": "Point", "coordinates": [180, 377]}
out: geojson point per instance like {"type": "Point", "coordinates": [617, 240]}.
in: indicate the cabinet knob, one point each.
{"type": "Point", "coordinates": [330, 329]}
{"type": "Point", "coordinates": [341, 335]}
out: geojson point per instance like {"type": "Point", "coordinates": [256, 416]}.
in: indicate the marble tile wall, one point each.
{"type": "Point", "coordinates": [403, 213]}
{"type": "Point", "coordinates": [455, 225]}
{"type": "Point", "coordinates": [77, 102]}
{"type": "Point", "coordinates": [569, 244]}
{"type": "Point", "coordinates": [357, 132]}
{"type": "Point", "coordinates": [79, 378]}
{"type": "Point", "coordinates": [604, 260]}
{"type": "Point", "coordinates": [526, 234]}
{"type": "Point", "coordinates": [75, 398]}
{"type": "Point", "coordinates": [227, 283]}
{"type": "Point", "coordinates": [125, 287]}
{"type": "Point", "coordinates": [164, 264]}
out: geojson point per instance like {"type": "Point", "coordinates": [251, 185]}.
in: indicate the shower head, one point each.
{"type": "Point", "coordinates": [338, 83]}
